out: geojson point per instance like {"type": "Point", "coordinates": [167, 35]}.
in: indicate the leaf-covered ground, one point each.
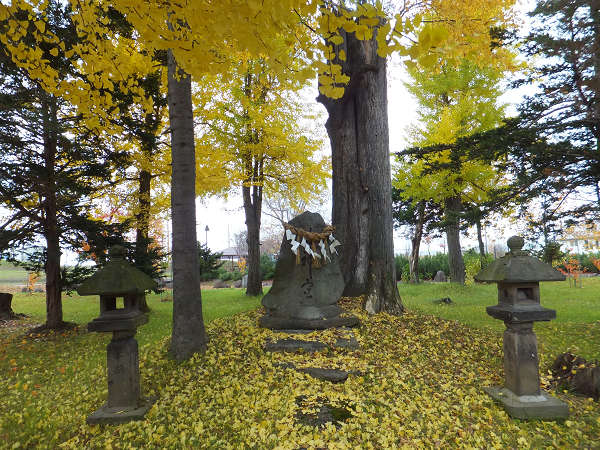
{"type": "Point", "coordinates": [417, 383]}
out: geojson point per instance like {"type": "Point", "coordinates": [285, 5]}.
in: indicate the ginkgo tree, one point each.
{"type": "Point", "coordinates": [257, 138]}
{"type": "Point", "coordinates": [456, 101]}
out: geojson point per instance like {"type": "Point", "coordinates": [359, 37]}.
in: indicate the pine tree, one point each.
{"type": "Point", "coordinates": [566, 107]}
{"type": "Point", "coordinates": [50, 164]}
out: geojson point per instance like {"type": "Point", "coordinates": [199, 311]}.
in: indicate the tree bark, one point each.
{"type": "Point", "coordinates": [143, 221]}
{"type": "Point", "coordinates": [54, 313]}
{"type": "Point", "coordinates": [252, 208]}
{"type": "Point", "coordinates": [481, 244]}
{"type": "Point", "coordinates": [189, 335]}
{"type": "Point", "coordinates": [6, 311]}
{"type": "Point", "coordinates": [252, 193]}
{"type": "Point", "coordinates": [362, 212]}
{"type": "Point", "coordinates": [416, 244]}
{"type": "Point", "coordinates": [452, 208]}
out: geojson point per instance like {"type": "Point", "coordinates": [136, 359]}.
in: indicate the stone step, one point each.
{"type": "Point", "coordinates": [294, 345]}
{"type": "Point", "coordinates": [332, 375]}
{"type": "Point", "coordinates": [282, 323]}
{"type": "Point", "coordinates": [349, 344]}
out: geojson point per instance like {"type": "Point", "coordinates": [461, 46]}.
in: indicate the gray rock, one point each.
{"type": "Point", "coordinates": [123, 371]}
{"type": "Point", "coordinates": [349, 344]}
{"type": "Point", "coordinates": [295, 331]}
{"type": "Point", "coordinates": [332, 375]}
{"type": "Point", "coordinates": [294, 345]}
{"type": "Point", "coordinates": [125, 402]}
{"type": "Point", "coordinates": [220, 284]}
{"type": "Point", "coordinates": [113, 416]}
{"type": "Point", "coordinates": [279, 323]}
{"type": "Point", "coordinates": [284, 365]}
{"type": "Point", "coordinates": [237, 284]}
{"type": "Point", "coordinates": [327, 413]}
{"type": "Point", "coordinates": [440, 277]}
{"type": "Point", "coordinates": [303, 296]}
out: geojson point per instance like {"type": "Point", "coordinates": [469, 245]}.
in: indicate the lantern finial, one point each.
{"type": "Point", "coordinates": [515, 244]}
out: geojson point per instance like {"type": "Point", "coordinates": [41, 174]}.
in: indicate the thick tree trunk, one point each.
{"type": "Point", "coordinates": [416, 244]}
{"type": "Point", "coordinates": [54, 313]}
{"type": "Point", "coordinates": [6, 311]}
{"type": "Point", "coordinates": [481, 244]}
{"type": "Point", "coordinates": [253, 195]}
{"type": "Point", "coordinates": [189, 335]}
{"type": "Point", "coordinates": [362, 212]}
{"type": "Point", "coordinates": [143, 222]}
{"type": "Point", "coordinates": [252, 207]}
{"type": "Point", "coordinates": [452, 208]}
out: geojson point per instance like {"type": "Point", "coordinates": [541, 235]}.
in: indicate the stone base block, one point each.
{"type": "Point", "coordinates": [285, 323]}
{"type": "Point", "coordinates": [106, 415]}
{"type": "Point", "coordinates": [295, 345]}
{"type": "Point", "coordinates": [541, 406]}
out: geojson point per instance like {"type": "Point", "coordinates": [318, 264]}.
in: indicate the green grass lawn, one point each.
{"type": "Point", "coordinates": [576, 327]}
{"type": "Point", "coordinates": [12, 274]}
{"type": "Point", "coordinates": [215, 303]}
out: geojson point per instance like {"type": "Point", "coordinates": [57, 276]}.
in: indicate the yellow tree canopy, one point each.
{"type": "Point", "coordinates": [457, 90]}
{"type": "Point", "coordinates": [454, 102]}
{"type": "Point", "coordinates": [204, 33]}
{"type": "Point", "coordinates": [256, 133]}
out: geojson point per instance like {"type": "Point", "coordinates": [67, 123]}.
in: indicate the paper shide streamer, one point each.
{"type": "Point", "coordinates": [318, 245]}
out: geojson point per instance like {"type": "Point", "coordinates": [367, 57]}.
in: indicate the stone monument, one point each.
{"type": "Point", "coordinates": [119, 279]}
{"type": "Point", "coordinates": [308, 281]}
{"type": "Point", "coordinates": [518, 277]}
{"type": "Point", "coordinates": [440, 277]}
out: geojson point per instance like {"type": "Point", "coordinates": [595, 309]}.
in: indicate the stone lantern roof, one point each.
{"type": "Point", "coordinates": [517, 266]}
{"type": "Point", "coordinates": [117, 277]}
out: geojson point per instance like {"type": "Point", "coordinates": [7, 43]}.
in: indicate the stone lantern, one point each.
{"type": "Point", "coordinates": [120, 279]}
{"type": "Point", "coordinates": [518, 277]}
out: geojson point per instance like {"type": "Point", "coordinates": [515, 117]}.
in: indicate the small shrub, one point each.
{"type": "Point", "coordinates": [226, 276]}
{"type": "Point", "coordinates": [210, 263]}
{"type": "Point", "coordinates": [267, 267]}
{"type": "Point", "coordinates": [472, 266]}
{"type": "Point", "coordinates": [400, 261]}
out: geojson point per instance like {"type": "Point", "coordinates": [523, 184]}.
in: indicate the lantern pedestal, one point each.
{"type": "Point", "coordinates": [521, 395]}
{"type": "Point", "coordinates": [542, 406]}
{"type": "Point", "coordinates": [124, 402]}
{"type": "Point", "coordinates": [518, 277]}
{"type": "Point", "coordinates": [106, 415]}
{"type": "Point", "coordinates": [118, 278]}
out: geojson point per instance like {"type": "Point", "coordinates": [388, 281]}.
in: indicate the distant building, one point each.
{"type": "Point", "coordinates": [232, 255]}
{"type": "Point", "coordinates": [580, 239]}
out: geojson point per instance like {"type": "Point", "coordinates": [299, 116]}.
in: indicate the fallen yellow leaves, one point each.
{"type": "Point", "coordinates": [416, 382]}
